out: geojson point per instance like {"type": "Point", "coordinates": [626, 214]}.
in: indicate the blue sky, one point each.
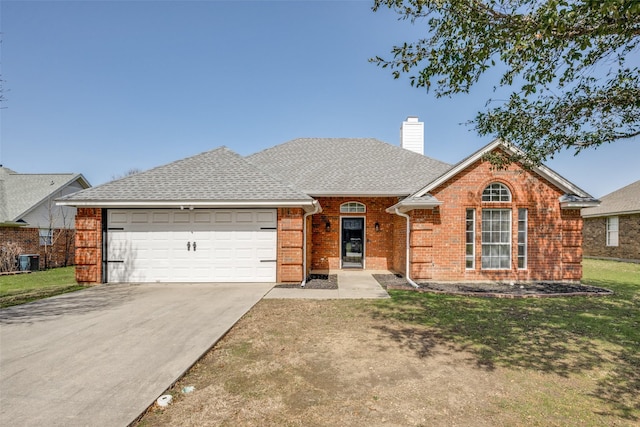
{"type": "Point", "coordinates": [101, 87]}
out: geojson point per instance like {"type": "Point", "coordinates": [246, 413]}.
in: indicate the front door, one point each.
{"type": "Point", "coordinates": [352, 242]}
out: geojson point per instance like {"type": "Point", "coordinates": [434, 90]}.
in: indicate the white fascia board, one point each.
{"type": "Point", "coordinates": [560, 181]}
{"type": "Point", "coordinates": [187, 204]}
{"type": "Point", "coordinates": [77, 177]}
{"type": "Point", "coordinates": [458, 168]}
{"type": "Point", "coordinates": [541, 170]}
{"type": "Point", "coordinates": [578, 205]}
{"type": "Point", "coordinates": [405, 207]}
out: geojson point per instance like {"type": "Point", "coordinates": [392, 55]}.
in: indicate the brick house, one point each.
{"type": "Point", "coordinates": [321, 204]}
{"type": "Point", "coordinates": [30, 219]}
{"type": "Point", "coordinates": [612, 230]}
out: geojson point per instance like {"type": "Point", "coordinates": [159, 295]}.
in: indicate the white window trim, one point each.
{"type": "Point", "coordinates": [496, 186]}
{"type": "Point", "coordinates": [613, 232]}
{"type": "Point", "coordinates": [353, 207]}
{"type": "Point", "coordinates": [509, 243]}
{"type": "Point", "coordinates": [524, 243]}
{"type": "Point", "coordinates": [471, 233]}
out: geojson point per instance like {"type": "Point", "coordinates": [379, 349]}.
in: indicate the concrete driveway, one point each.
{"type": "Point", "coordinates": [101, 356]}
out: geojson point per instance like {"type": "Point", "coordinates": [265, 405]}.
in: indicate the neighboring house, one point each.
{"type": "Point", "coordinates": [30, 219]}
{"type": "Point", "coordinates": [612, 230]}
{"type": "Point", "coordinates": [331, 203]}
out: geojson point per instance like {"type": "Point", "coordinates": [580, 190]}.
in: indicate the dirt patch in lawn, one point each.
{"type": "Point", "coordinates": [494, 289]}
{"type": "Point", "coordinates": [330, 363]}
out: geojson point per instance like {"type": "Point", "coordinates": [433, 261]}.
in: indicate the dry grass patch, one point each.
{"type": "Point", "coordinates": [353, 363]}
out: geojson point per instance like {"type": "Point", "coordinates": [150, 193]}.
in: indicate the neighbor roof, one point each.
{"type": "Point", "coordinates": [626, 201]}
{"type": "Point", "coordinates": [210, 179]}
{"type": "Point", "coordinates": [348, 166]}
{"type": "Point", "coordinates": [20, 193]}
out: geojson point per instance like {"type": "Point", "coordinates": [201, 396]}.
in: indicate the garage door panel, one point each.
{"type": "Point", "coordinates": [157, 245]}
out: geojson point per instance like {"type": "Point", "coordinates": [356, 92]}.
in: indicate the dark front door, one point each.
{"type": "Point", "coordinates": [352, 242]}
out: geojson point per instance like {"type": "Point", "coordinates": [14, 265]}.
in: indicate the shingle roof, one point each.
{"type": "Point", "coordinates": [19, 193]}
{"type": "Point", "coordinates": [216, 175]}
{"type": "Point", "coordinates": [626, 200]}
{"type": "Point", "coordinates": [348, 166]}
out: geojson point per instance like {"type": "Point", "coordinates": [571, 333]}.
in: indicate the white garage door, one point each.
{"type": "Point", "coordinates": [230, 245]}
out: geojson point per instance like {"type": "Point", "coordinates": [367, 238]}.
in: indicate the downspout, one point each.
{"type": "Point", "coordinates": [406, 276]}
{"type": "Point", "coordinates": [317, 208]}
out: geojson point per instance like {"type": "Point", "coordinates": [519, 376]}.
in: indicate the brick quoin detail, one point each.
{"type": "Point", "coordinates": [290, 236]}
{"type": "Point", "coordinates": [554, 236]}
{"type": "Point", "coordinates": [89, 245]}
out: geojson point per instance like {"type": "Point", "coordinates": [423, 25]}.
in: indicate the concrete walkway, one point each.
{"type": "Point", "coordinates": [352, 284]}
{"type": "Point", "coordinates": [101, 356]}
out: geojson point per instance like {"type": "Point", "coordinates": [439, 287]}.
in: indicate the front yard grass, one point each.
{"type": "Point", "coordinates": [21, 288]}
{"type": "Point", "coordinates": [421, 359]}
{"type": "Point", "coordinates": [570, 337]}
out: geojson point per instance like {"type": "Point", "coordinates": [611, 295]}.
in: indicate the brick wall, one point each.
{"type": "Point", "coordinates": [89, 245]}
{"type": "Point", "coordinates": [595, 238]}
{"type": "Point", "coordinates": [60, 254]}
{"type": "Point", "coordinates": [380, 245]}
{"type": "Point", "coordinates": [554, 235]}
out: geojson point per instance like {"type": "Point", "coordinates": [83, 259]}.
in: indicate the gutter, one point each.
{"type": "Point", "coordinates": [406, 276]}
{"type": "Point", "coordinates": [317, 209]}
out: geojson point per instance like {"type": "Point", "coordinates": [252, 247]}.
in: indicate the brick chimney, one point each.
{"type": "Point", "coordinates": [412, 135]}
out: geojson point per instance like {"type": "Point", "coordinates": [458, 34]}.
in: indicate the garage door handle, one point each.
{"type": "Point", "coordinates": [194, 246]}
{"type": "Point", "coordinates": [268, 260]}
{"type": "Point", "coordinates": [188, 246]}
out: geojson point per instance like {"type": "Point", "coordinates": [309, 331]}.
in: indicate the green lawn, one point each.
{"type": "Point", "coordinates": [20, 288]}
{"type": "Point", "coordinates": [570, 336]}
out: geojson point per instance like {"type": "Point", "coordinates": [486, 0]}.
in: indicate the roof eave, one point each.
{"type": "Point", "coordinates": [355, 194]}
{"type": "Point", "coordinates": [77, 177]}
{"type": "Point", "coordinates": [541, 170]}
{"type": "Point", "coordinates": [613, 213]}
{"type": "Point", "coordinates": [187, 204]}
{"type": "Point", "coordinates": [578, 205]}
{"type": "Point", "coordinates": [405, 207]}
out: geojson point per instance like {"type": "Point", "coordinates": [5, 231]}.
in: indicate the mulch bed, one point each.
{"type": "Point", "coordinates": [315, 281]}
{"type": "Point", "coordinates": [494, 289]}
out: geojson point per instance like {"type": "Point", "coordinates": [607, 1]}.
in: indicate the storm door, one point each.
{"type": "Point", "coordinates": [352, 242]}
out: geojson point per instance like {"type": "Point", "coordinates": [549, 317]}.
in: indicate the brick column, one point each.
{"type": "Point", "coordinates": [290, 221]}
{"type": "Point", "coordinates": [89, 245]}
{"type": "Point", "coordinates": [571, 245]}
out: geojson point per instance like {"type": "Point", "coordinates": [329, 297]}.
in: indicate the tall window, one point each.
{"type": "Point", "coordinates": [496, 192]}
{"type": "Point", "coordinates": [496, 239]}
{"type": "Point", "coordinates": [352, 207]}
{"type": "Point", "coordinates": [612, 231]}
{"type": "Point", "coordinates": [522, 238]}
{"type": "Point", "coordinates": [470, 256]}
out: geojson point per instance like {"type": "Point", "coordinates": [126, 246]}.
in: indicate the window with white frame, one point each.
{"type": "Point", "coordinates": [522, 238]}
{"type": "Point", "coordinates": [496, 239]}
{"type": "Point", "coordinates": [496, 192]}
{"type": "Point", "coordinates": [46, 236]}
{"type": "Point", "coordinates": [470, 230]}
{"type": "Point", "coordinates": [352, 207]}
{"type": "Point", "coordinates": [612, 231]}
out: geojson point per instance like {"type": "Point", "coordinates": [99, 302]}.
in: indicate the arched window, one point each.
{"type": "Point", "coordinates": [496, 192]}
{"type": "Point", "coordinates": [352, 207]}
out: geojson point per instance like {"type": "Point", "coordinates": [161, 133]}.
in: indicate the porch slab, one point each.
{"type": "Point", "coordinates": [352, 284]}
